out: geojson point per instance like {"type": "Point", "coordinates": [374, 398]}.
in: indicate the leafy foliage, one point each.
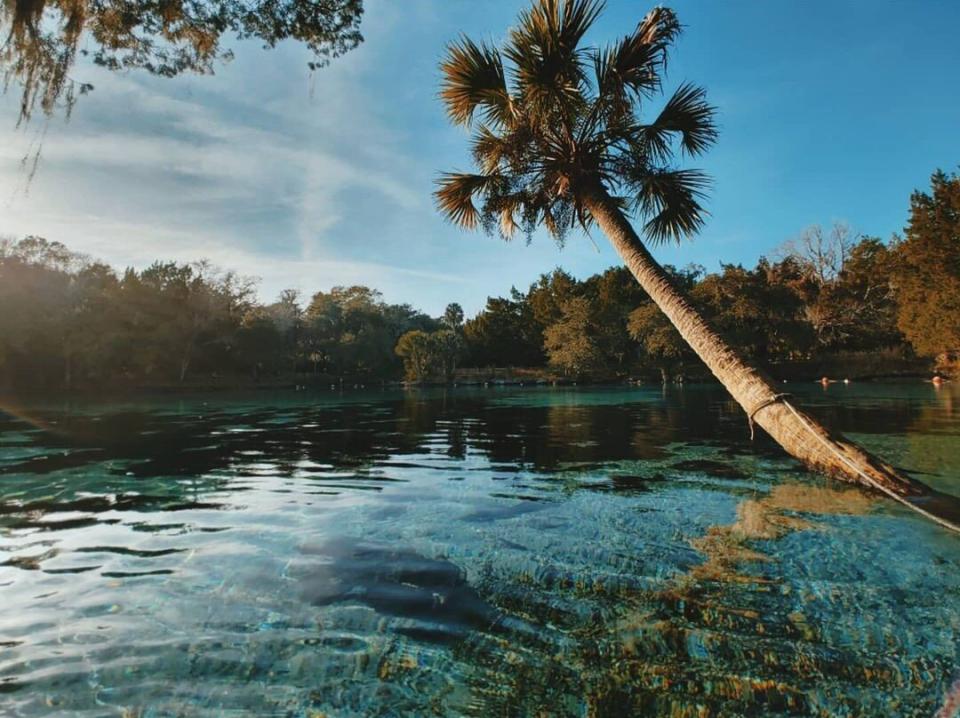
{"type": "Point", "coordinates": [168, 38]}
{"type": "Point", "coordinates": [417, 351]}
{"type": "Point", "coordinates": [656, 336]}
{"type": "Point", "coordinates": [505, 333]}
{"type": "Point", "coordinates": [351, 331]}
{"type": "Point", "coordinates": [928, 276]}
{"type": "Point", "coordinates": [453, 316]}
{"type": "Point", "coordinates": [571, 342]}
{"type": "Point", "coordinates": [69, 321]}
{"type": "Point", "coordinates": [762, 317]}
{"type": "Point", "coordinates": [428, 355]}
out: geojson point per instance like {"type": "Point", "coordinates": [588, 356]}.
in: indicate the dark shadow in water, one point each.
{"type": "Point", "coordinates": [543, 437]}
{"type": "Point", "coordinates": [432, 594]}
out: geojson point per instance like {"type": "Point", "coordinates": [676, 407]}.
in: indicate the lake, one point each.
{"type": "Point", "coordinates": [478, 552]}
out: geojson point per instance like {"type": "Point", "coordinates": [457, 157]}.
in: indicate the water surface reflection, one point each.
{"type": "Point", "coordinates": [471, 552]}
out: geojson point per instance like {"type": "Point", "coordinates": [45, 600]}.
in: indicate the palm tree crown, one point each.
{"type": "Point", "coordinates": [553, 121]}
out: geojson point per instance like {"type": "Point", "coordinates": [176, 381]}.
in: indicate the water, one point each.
{"type": "Point", "coordinates": [486, 552]}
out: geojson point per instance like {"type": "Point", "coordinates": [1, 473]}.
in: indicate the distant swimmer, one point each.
{"type": "Point", "coordinates": [937, 380]}
{"type": "Point", "coordinates": [825, 381]}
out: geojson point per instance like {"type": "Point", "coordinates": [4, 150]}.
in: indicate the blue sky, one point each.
{"type": "Point", "coordinates": [828, 111]}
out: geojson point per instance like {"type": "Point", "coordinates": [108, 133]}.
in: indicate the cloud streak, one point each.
{"type": "Point", "coordinates": [149, 168]}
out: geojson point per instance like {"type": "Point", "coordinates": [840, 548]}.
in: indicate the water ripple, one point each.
{"type": "Point", "coordinates": [560, 553]}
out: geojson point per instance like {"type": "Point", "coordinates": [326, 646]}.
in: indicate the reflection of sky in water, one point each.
{"type": "Point", "coordinates": [476, 552]}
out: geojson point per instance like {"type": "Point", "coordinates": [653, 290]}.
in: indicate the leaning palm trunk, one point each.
{"type": "Point", "coordinates": [798, 433]}
{"type": "Point", "coordinates": [557, 129]}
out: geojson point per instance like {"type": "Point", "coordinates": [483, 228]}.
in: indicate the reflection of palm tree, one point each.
{"type": "Point", "coordinates": [562, 145]}
{"type": "Point", "coordinates": [732, 636]}
{"type": "Point", "coordinates": [727, 548]}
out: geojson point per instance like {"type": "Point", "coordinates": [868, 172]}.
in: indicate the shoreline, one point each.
{"type": "Point", "coordinates": [527, 379]}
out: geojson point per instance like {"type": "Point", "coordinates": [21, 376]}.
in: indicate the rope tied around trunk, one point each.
{"type": "Point", "coordinates": [848, 461]}
{"type": "Point", "coordinates": [869, 479]}
{"type": "Point", "coordinates": [763, 405]}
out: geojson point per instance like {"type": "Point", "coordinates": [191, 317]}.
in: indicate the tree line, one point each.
{"type": "Point", "coordinates": [69, 321]}
{"type": "Point", "coordinates": [828, 292]}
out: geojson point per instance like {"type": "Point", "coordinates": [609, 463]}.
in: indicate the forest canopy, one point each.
{"type": "Point", "coordinates": [70, 321]}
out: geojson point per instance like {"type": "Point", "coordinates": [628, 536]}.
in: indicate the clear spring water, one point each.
{"type": "Point", "coordinates": [476, 552]}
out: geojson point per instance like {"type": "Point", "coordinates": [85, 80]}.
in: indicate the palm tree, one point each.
{"type": "Point", "coordinates": [559, 143]}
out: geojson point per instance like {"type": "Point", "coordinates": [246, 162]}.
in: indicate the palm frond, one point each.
{"type": "Point", "coordinates": [612, 101]}
{"type": "Point", "coordinates": [493, 151]}
{"type": "Point", "coordinates": [575, 21]}
{"type": "Point", "coordinates": [688, 114]}
{"type": "Point", "coordinates": [456, 192]}
{"type": "Point", "coordinates": [544, 49]}
{"type": "Point", "coordinates": [551, 224]}
{"type": "Point", "coordinates": [488, 148]}
{"type": "Point", "coordinates": [507, 208]}
{"type": "Point", "coordinates": [637, 62]}
{"type": "Point", "coordinates": [671, 199]}
{"type": "Point", "coordinates": [659, 29]}
{"type": "Point", "coordinates": [556, 26]}
{"type": "Point", "coordinates": [473, 77]}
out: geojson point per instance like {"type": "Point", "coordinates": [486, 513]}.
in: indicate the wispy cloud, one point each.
{"type": "Point", "coordinates": [150, 168]}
